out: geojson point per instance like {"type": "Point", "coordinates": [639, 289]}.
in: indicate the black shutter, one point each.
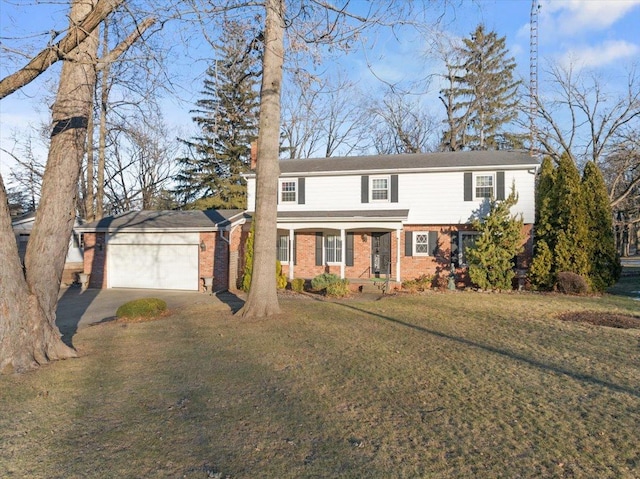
{"type": "Point", "coordinates": [364, 190]}
{"type": "Point", "coordinates": [301, 191]}
{"type": "Point", "coordinates": [394, 188]}
{"type": "Point", "coordinates": [433, 243]}
{"type": "Point", "coordinates": [468, 186]}
{"type": "Point", "coordinates": [500, 185]}
{"type": "Point", "coordinates": [349, 250]}
{"type": "Point", "coordinates": [318, 249]}
{"type": "Point", "coordinates": [295, 244]}
{"type": "Point", "coordinates": [408, 243]}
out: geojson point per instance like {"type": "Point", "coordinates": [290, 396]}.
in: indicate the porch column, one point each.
{"type": "Point", "coordinates": [398, 255]}
{"type": "Point", "coordinates": [343, 260]}
{"type": "Point", "coordinates": [291, 240]}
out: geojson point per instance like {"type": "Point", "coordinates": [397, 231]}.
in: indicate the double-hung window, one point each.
{"type": "Point", "coordinates": [282, 248]}
{"type": "Point", "coordinates": [333, 249]}
{"type": "Point", "coordinates": [288, 191]}
{"type": "Point", "coordinates": [484, 186]}
{"type": "Point", "coordinates": [380, 188]}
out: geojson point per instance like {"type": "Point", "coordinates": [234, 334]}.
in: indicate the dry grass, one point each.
{"type": "Point", "coordinates": [439, 386]}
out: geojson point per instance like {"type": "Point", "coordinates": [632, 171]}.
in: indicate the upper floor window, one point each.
{"type": "Point", "coordinates": [288, 191]}
{"type": "Point", "coordinates": [380, 188]}
{"type": "Point", "coordinates": [484, 186]}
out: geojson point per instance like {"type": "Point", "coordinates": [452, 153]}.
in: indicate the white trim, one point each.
{"type": "Point", "coordinates": [474, 184]}
{"type": "Point", "coordinates": [398, 233]}
{"type": "Point", "coordinates": [414, 243]}
{"type": "Point", "coordinates": [343, 262]}
{"type": "Point", "coordinates": [373, 178]}
{"type": "Point", "coordinates": [293, 181]}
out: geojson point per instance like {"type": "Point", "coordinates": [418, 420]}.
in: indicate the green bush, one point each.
{"type": "Point", "coordinates": [297, 285]}
{"type": "Point", "coordinates": [339, 289]}
{"type": "Point", "coordinates": [281, 278]}
{"type": "Point", "coordinates": [572, 283]}
{"type": "Point", "coordinates": [144, 307]}
{"type": "Point", "coordinates": [323, 280]}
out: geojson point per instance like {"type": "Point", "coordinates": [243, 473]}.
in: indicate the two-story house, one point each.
{"type": "Point", "coordinates": [403, 215]}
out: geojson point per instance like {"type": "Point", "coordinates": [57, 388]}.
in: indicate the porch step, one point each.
{"type": "Point", "coordinates": [372, 287]}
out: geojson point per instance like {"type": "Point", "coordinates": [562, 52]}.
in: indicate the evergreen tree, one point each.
{"type": "Point", "coordinates": [542, 271]}
{"type": "Point", "coordinates": [483, 94]}
{"type": "Point", "coordinates": [571, 252]}
{"type": "Point", "coordinates": [227, 116]}
{"type": "Point", "coordinates": [605, 264]}
{"type": "Point", "coordinates": [491, 260]}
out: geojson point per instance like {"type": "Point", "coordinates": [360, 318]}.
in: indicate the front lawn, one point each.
{"type": "Point", "coordinates": [440, 385]}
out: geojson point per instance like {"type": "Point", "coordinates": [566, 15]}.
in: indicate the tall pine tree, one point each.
{"type": "Point", "coordinates": [542, 271]}
{"type": "Point", "coordinates": [605, 264]}
{"type": "Point", "coordinates": [227, 115]}
{"type": "Point", "coordinates": [572, 246]}
{"type": "Point", "coordinates": [482, 95]}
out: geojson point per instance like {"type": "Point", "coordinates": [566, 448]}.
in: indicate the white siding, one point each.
{"type": "Point", "coordinates": [431, 198]}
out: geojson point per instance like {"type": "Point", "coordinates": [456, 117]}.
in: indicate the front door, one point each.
{"type": "Point", "coordinates": [380, 253]}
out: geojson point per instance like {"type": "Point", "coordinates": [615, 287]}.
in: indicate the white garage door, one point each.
{"type": "Point", "coordinates": [153, 260]}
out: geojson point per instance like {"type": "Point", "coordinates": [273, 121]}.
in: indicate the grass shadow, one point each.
{"type": "Point", "coordinates": [508, 354]}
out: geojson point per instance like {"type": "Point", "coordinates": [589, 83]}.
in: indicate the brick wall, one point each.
{"type": "Point", "coordinates": [206, 257]}
{"type": "Point", "coordinates": [95, 259]}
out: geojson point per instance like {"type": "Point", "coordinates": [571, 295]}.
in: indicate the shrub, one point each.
{"type": "Point", "coordinates": [421, 283]}
{"type": "Point", "coordinates": [297, 285]}
{"type": "Point", "coordinates": [572, 283]}
{"type": "Point", "coordinates": [144, 307]}
{"type": "Point", "coordinates": [281, 278]}
{"type": "Point", "coordinates": [339, 289]}
{"type": "Point", "coordinates": [323, 280]}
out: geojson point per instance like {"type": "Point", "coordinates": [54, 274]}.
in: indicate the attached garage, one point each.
{"type": "Point", "coordinates": [153, 260]}
{"type": "Point", "coordinates": [163, 249]}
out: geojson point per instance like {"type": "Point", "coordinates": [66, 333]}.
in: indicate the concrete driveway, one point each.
{"type": "Point", "coordinates": [78, 309]}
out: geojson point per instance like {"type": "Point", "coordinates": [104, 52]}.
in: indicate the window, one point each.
{"type": "Point", "coordinates": [484, 186]}
{"type": "Point", "coordinates": [380, 188]}
{"type": "Point", "coordinates": [333, 249]}
{"type": "Point", "coordinates": [467, 240]}
{"type": "Point", "coordinates": [282, 247]}
{"type": "Point", "coordinates": [288, 191]}
{"type": "Point", "coordinates": [421, 243]}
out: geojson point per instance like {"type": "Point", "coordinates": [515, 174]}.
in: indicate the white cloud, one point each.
{"type": "Point", "coordinates": [600, 55]}
{"type": "Point", "coordinates": [572, 16]}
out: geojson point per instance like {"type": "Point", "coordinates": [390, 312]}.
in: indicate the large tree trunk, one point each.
{"type": "Point", "coordinates": [28, 334]}
{"type": "Point", "coordinates": [263, 299]}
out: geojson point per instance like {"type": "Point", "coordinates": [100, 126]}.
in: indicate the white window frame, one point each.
{"type": "Point", "coordinates": [372, 179]}
{"type": "Point", "coordinates": [476, 176]}
{"type": "Point", "coordinates": [281, 192]}
{"type": "Point", "coordinates": [462, 260]}
{"type": "Point", "coordinates": [416, 244]}
{"type": "Point", "coordinates": [282, 248]}
{"type": "Point", "coordinates": [337, 247]}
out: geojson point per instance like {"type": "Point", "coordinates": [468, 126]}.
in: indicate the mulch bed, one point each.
{"type": "Point", "coordinates": [611, 320]}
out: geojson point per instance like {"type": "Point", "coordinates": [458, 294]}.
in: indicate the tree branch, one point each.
{"type": "Point", "coordinates": [47, 57]}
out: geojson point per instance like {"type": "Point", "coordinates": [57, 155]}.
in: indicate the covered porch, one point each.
{"type": "Point", "coordinates": [355, 245]}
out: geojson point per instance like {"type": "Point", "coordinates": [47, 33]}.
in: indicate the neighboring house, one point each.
{"type": "Point", "coordinates": [403, 215]}
{"type": "Point", "coordinates": [22, 226]}
{"type": "Point", "coordinates": [164, 249]}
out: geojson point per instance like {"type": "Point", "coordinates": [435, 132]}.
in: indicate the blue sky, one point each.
{"type": "Point", "coordinates": [602, 35]}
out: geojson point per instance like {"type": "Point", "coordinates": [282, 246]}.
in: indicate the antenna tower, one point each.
{"type": "Point", "coordinates": [533, 75]}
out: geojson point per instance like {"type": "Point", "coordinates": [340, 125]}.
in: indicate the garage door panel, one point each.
{"type": "Point", "coordinates": [155, 266]}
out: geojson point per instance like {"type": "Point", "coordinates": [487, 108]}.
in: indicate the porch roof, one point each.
{"type": "Point", "coordinates": [343, 215]}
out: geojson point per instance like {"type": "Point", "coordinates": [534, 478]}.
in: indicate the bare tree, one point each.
{"type": "Point", "coordinates": [263, 300]}
{"type": "Point", "coordinates": [401, 125]}
{"type": "Point", "coordinates": [28, 334]}
{"type": "Point", "coordinates": [322, 117]}
{"type": "Point", "coordinates": [28, 299]}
